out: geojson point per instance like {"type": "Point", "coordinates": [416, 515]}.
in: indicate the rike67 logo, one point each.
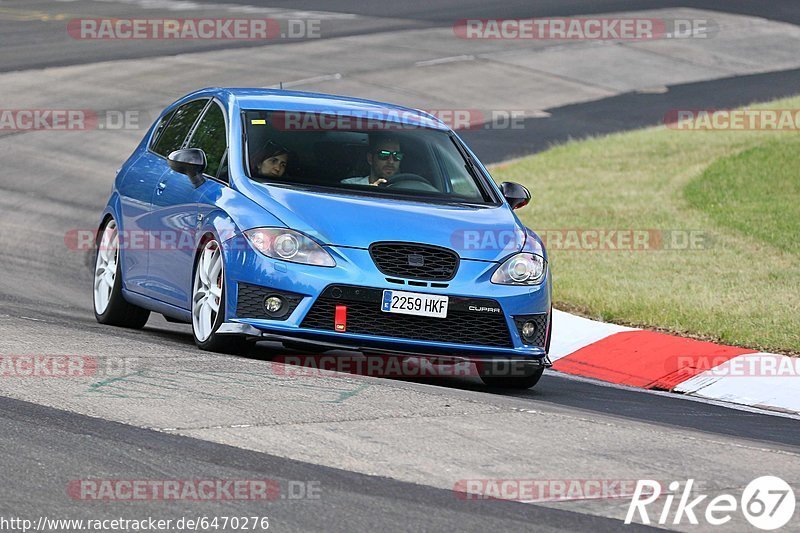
{"type": "Point", "coordinates": [767, 502]}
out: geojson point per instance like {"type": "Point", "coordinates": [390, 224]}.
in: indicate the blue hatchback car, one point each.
{"type": "Point", "coordinates": [328, 222]}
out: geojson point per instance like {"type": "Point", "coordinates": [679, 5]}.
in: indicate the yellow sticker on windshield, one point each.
{"type": "Point", "coordinates": [258, 122]}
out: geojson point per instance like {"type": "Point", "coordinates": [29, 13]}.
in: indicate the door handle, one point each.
{"type": "Point", "coordinates": [161, 186]}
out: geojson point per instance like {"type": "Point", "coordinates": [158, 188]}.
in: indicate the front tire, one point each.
{"type": "Point", "coordinates": [208, 302]}
{"type": "Point", "coordinates": [520, 382]}
{"type": "Point", "coordinates": [109, 306]}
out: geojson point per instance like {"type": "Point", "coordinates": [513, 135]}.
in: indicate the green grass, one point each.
{"type": "Point", "coordinates": [741, 189]}
{"type": "Point", "coordinates": [756, 192]}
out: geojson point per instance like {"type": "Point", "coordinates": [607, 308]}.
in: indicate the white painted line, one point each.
{"type": "Point", "coordinates": [31, 318]}
{"type": "Point", "coordinates": [443, 60]}
{"type": "Point", "coordinates": [306, 81]}
{"type": "Point", "coordinates": [663, 89]}
{"type": "Point", "coordinates": [187, 5]}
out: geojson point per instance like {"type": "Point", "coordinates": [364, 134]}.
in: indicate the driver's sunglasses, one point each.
{"type": "Point", "coordinates": [384, 155]}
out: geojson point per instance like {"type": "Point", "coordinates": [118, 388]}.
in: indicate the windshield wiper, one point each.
{"type": "Point", "coordinates": [470, 165]}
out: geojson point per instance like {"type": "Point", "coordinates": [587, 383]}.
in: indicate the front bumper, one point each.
{"type": "Point", "coordinates": [354, 268]}
{"type": "Point", "coordinates": [238, 328]}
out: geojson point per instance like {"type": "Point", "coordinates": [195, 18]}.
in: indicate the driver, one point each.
{"type": "Point", "coordinates": [384, 158]}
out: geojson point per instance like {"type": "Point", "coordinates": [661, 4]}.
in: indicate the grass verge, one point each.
{"type": "Point", "coordinates": [735, 194]}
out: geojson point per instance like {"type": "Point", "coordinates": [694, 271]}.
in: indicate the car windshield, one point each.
{"type": "Point", "coordinates": [338, 153]}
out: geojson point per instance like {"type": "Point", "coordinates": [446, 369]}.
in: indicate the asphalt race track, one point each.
{"type": "Point", "coordinates": [383, 453]}
{"type": "Point", "coordinates": [31, 28]}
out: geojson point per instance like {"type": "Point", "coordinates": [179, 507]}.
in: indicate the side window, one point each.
{"type": "Point", "coordinates": [222, 175]}
{"type": "Point", "coordinates": [160, 128]}
{"type": "Point", "coordinates": [174, 134]}
{"type": "Point", "coordinates": [210, 137]}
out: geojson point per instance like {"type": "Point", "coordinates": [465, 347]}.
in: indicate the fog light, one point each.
{"type": "Point", "coordinates": [528, 331]}
{"type": "Point", "coordinates": [273, 304]}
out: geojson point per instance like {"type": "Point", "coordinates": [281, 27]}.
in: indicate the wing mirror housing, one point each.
{"type": "Point", "coordinates": [515, 194]}
{"type": "Point", "coordinates": [191, 162]}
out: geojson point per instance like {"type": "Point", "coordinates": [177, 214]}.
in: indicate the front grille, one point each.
{"type": "Point", "coordinates": [250, 302]}
{"type": "Point", "coordinates": [417, 261]}
{"type": "Point", "coordinates": [541, 328]}
{"type": "Point", "coordinates": [364, 315]}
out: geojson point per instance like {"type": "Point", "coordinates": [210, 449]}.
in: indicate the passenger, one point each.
{"type": "Point", "coordinates": [384, 158]}
{"type": "Point", "coordinates": [271, 162]}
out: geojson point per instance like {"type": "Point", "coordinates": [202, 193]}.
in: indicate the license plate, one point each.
{"type": "Point", "coordinates": [414, 303]}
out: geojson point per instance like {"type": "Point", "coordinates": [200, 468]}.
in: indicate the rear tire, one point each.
{"type": "Point", "coordinates": [110, 307]}
{"type": "Point", "coordinates": [208, 302]}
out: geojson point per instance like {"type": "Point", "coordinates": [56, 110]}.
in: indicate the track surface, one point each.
{"type": "Point", "coordinates": [444, 11]}
{"type": "Point", "coordinates": [384, 451]}
{"type": "Point", "coordinates": [34, 36]}
{"type": "Point", "coordinates": [47, 438]}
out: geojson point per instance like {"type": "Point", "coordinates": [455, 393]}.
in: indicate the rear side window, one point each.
{"type": "Point", "coordinates": [210, 137]}
{"type": "Point", "coordinates": [160, 127]}
{"type": "Point", "coordinates": [172, 137]}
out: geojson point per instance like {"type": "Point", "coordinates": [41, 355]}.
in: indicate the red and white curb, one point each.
{"type": "Point", "coordinates": [658, 361]}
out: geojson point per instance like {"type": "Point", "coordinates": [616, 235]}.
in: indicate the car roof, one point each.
{"type": "Point", "coordinates": [278, 99]}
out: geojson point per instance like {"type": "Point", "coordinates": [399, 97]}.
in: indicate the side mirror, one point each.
{"type": "Point", "coordinates": [191, 161]}
{"type": "Point", "coordinates": [516, 195]}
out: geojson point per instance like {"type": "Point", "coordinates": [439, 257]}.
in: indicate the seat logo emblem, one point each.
{"type": "Point", "coordinates": [416, 260]}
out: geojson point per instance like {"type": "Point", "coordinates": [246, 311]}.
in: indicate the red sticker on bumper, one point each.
{"type": "Point", "coordinates": [340, 318]}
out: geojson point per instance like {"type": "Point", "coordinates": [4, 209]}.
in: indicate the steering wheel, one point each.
{"type": "Point", "coordinates": [409, 181]}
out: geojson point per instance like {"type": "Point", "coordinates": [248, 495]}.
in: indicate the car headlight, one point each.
{"type": "Point", "coordinates": [288, 245]}
{"type": "Point", "coordinates": [521, 269]}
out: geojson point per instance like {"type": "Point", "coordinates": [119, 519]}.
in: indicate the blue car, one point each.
{"type": "Point", "coordinates": [324, 222]}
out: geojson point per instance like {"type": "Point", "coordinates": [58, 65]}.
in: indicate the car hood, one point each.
{"type": "Point", "coordinates": [484, 233]}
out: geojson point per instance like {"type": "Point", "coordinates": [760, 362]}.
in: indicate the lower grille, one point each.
{"type": "Point", "coordinates": [250, 302]}
{"type": "Point", "coordinates": [364, 315]}
{"type": "Point", "coordinates": [540, 320]}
